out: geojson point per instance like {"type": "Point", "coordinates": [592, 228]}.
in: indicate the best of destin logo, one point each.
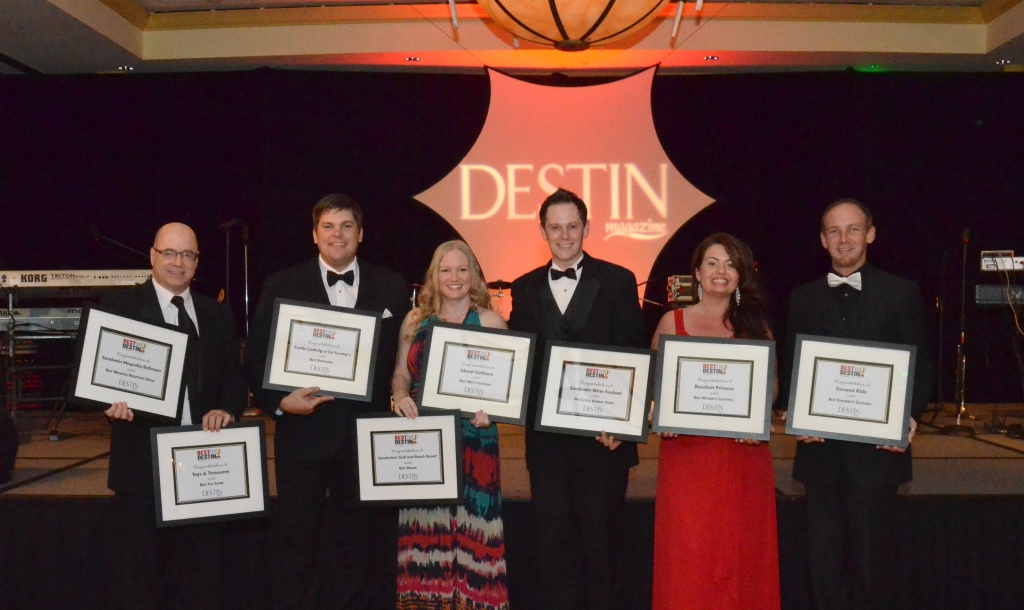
{"type": "Point", "coordinates": [133, 346]}
{"type": "Point", "coordinates": [714, 369]}
{"type": "Point", "coordinates": [848, 370]}
{"type": "Point", "coordinates": [478, 354]}
{"type": "Point", "coordinates": [599, 373]}
{"type": "Point", "coordinates": [405, 439]}
{"type": "Point", "coordinates": [207, 454]}
{"type": "Point", "coordinates": [322, 333]}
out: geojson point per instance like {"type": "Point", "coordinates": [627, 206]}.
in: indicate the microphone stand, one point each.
{"type": "Point", "coordinates": [958, 429]}
{"type": "Point", "coordinates": [940, 305]}
{"type": "Point", "coordinates": [99, 238]}
{"type": "Point", "coordinates": [245, 262]}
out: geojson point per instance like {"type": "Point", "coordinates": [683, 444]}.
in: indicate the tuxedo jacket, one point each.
{"type": "Point", "coordinates": [326, 431]}
{"type": "Point", "coordinates": [888, 310]}
{"type": "Point", "coordinates": [222, 387]}
{"type": "Point", "coordinates": [604, 310]}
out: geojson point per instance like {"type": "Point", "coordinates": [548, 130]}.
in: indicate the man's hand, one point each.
{"type": "Point", "coordinates": [608, 441]}
{"type": "Point", "coordinates": [216, 419]}
{"type": "Point", "coordinates": [910, 439]}
{"type": "Point", "coordinates": [802, 439]}
{"type": "Point", "coordinates": [302, 401]}
{"type": "Point", "coordinates": [120, 410]}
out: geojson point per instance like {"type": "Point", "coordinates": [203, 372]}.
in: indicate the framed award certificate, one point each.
{"type": "Point", "coordinates": [332, 348]}
{"type": "Point", "coordinates": [589, 389]}
{"type": "Point", "coordinates": [124, 360]}
{"type": "Point", "coordinates": [851, 390]}
{"type": "Point", "coordinates": [410, 462]}
{"type": "Point", "coordinates": [714, 387]}
{"type": "Point", "coordinates": [470, 369]}
{"type": "Point", "coordinates": [209, 476]}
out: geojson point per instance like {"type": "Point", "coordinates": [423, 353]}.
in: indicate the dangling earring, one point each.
{"type": "Point", "coordinates": [700, 292]}
{"type": "Point", "coordinates": [737, 295]}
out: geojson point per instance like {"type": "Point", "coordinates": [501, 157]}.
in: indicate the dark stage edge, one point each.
{"type": "Point", "coordinates": [957, 552]}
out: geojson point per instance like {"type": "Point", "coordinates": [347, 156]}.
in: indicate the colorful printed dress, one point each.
{"type": "Point", "coordinates": [453, 557]}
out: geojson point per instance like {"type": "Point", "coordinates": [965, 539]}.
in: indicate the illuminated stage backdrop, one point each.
{"type": "Point", "coordinates": [597, 141]}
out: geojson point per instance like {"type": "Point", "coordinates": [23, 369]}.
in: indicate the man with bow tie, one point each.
{"type": "Point", "coordinates": [851, 487]}
{"type": "Point", "coordinates": [352, 564]}
{"type": "Point", "coordinates": [577, 484]}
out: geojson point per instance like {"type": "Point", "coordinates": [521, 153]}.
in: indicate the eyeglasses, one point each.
{"type": "Point", "coordinates": [188, 255]}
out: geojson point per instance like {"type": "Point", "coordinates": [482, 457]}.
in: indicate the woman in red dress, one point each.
{"type": "Point", "coordinates": [715, 536]}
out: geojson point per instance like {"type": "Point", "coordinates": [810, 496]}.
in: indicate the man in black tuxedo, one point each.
{"type": "Point", "coordinates": [577, 484]}
{"type": "Point", "coordinates": [314, 455]}
{"type": "Point", "coordinates": [177, 567]}
{"type": "Point", "coordinates": [851, 487]}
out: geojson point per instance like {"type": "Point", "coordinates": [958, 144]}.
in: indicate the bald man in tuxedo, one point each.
{"type": "Point", "coordinates": [178, 567]}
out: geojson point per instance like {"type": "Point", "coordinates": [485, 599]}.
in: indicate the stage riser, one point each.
{"type": "Point", "coordinates": [956, 553]}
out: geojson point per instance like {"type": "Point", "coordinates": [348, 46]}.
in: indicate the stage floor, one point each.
{"type": "Point", "coordinates": [986, 465]}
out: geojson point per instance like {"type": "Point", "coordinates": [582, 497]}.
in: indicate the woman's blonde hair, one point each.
{"type": "Point", "coordinates": [429, 299]}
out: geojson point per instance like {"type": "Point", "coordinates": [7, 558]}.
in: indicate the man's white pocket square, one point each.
{"type": "Point", "coordinates": [387, 313]}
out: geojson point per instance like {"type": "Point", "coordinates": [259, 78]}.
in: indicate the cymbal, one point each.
{"type": "Point", "coordinates": [499, 285]}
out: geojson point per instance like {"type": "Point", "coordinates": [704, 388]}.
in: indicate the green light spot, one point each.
{"type": "Point", "coordinates": [871, 69]}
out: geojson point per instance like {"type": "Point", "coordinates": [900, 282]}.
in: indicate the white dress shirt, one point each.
{"type": "Point", "coordinates": [341, 294]}
{"type": "Point", "coordinates": [563, 288]}
{"type": "Point", "coordinates": [171, 317]}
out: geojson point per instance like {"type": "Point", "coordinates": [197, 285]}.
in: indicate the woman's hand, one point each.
{"type": "Point", "coordinates": [406, 407]}
{"type": "Point", "coordinates": [480, 420]}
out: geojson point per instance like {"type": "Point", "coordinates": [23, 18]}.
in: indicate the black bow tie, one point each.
{"type": "Point", "coordinates": [348, 277]}
{"type": "Point", "coordinates": [569, 273]}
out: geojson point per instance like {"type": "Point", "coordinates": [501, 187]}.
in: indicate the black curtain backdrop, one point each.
{"type": "Point", "coordinates": [930, 153]}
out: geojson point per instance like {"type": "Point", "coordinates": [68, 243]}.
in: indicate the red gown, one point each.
{"type": "Point", "coordinates": [715, 535]}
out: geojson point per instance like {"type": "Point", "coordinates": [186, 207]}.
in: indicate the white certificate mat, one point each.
{"type": "Point", "coordinates": [332, 348]}
{"type": "Point", "coordinates": [470, 369]}
{"type": "Point", "coordinates": [410, 462]}
{"type": "Point", "coordinates": [209, 476]}
{"type": "Point", "coordinates": [589, 389]}
{"type": "Point", "coordinates": [714, 387]}
{"type": "Point", "coordinates": [124, 360]}
{"type": "Point", "coordinates": [851, 390]}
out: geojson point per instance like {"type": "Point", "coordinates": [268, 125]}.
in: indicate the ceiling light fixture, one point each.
{"type": "Point", "coordinates": [1003, 62]}
{"type": "Point", "coordinates": [711, 58]}
{"type": "Point", "coordinates": [125, 68]}
{"type": "Point", "coordinates": [412, 59]}
{"type": "Point", "coordinates": [573, 26]}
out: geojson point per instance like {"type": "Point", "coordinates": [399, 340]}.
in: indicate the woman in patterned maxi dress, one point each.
{"type": "Point", "coordinates": [452, 557]}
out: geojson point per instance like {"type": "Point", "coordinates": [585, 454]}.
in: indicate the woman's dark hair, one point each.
{"type": "Point", "coordinates": [748, 319]}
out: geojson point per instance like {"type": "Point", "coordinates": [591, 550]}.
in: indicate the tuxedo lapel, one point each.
{"type": "Point", "coordinates": [819, 306]}
{"type": "Point", "coordinates": [313, 284]}
{"type": "Point", "coordinates": [549, 318]}
{"type": "Point", "coordinates": [869, 294]}
{"type": "Point", "coordinates": [582, 302]}
{"type": "Point", "coordinates": [367, 296]}
{"type": "Point", "coordinates": [149, 306]}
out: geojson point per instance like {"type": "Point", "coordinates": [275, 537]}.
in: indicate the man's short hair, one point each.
{"type": "Point", "coordinates": [848, 201]}
{"type": "Point", "coordinates": [559, 197]}
{"type": "Point", "coordinates": [337, 201]}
